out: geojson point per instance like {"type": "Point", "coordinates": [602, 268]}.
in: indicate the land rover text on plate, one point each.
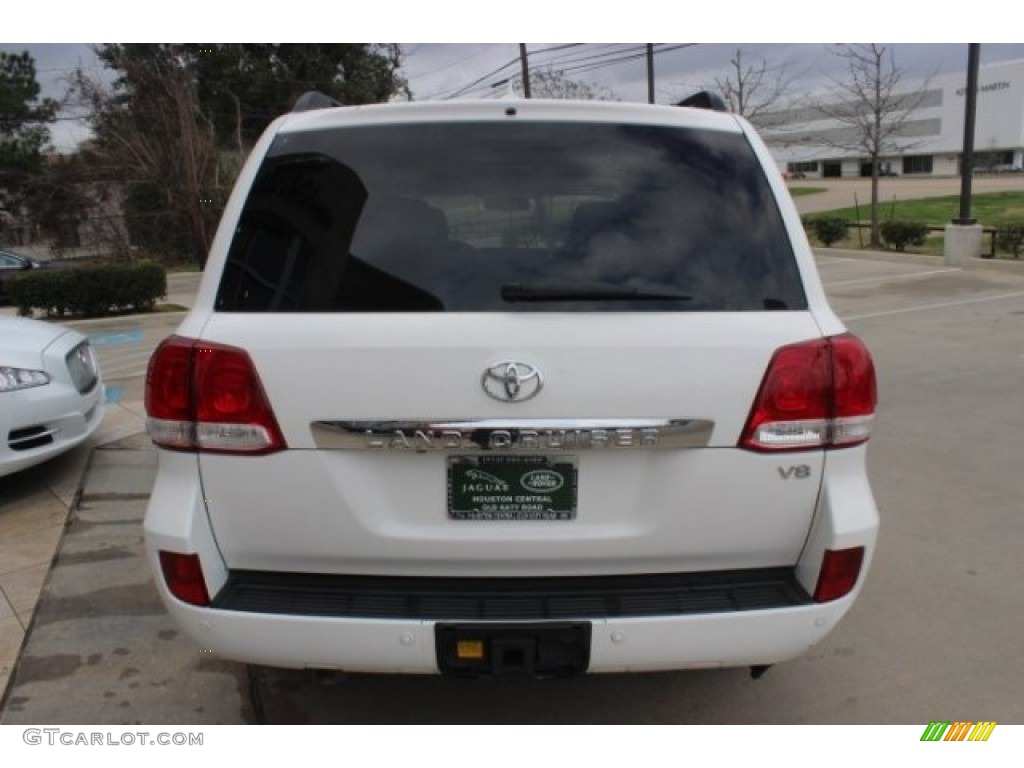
{"type": "Point", "coordinates": [520, 387]}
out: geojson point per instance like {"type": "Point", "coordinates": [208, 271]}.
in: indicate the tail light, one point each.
{"type": "Point", "coordinates": [208, 397]}
{"type": "Point", "coordinates": [840, 569]}
{"type": "Point", "coordinates": [183, 575]}
{"type": "Point", "coordinates": [816, 394]}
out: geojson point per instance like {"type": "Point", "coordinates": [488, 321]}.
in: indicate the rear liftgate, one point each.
{"type": "Point", "coordinates": [551, 649]}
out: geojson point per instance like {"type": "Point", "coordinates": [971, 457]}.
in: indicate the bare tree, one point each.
{"type": "Point", "coordinates": [755, 91]}
{"type": "Point", "coordinates": [555, 84]}
{"type": "Point", "coordinates": [873, 107]}
{"type": "Point", "coordinates": [172, 130]}
{"type": "Point", "coordinates": [152, 139]}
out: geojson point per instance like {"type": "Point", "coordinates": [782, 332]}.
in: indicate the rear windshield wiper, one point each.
{"type": "Point", "coordinates": [518, 292]}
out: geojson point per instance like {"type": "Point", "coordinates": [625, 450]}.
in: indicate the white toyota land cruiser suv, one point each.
{"type": "Point", "coordinates": [518, 387]}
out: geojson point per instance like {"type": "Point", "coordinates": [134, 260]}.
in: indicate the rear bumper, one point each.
{"type": "Point", "coordinates": [510, 599]}
{"type": "Point", "coordinates": [406, 646]}
{"type": "Point", "coordinates": [318, 634]}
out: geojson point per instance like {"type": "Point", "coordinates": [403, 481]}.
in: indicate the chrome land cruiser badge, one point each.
{"type": "Point", "coordinates": [512, 381]}
{"type": "Point", "coordinates": [512, 435]}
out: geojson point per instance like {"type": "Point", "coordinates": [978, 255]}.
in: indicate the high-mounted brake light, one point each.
{"type": "Point", "coordinates": [208, 397]}
{"type": "Point", "coordinates": [816, 394]}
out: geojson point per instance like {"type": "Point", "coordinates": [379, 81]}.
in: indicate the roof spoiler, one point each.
{"type": "Point", "coordinates": [311, 100]}
{"type": "Point", "coordinates": [705, 100]}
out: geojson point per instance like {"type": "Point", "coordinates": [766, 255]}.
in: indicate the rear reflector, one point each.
{"type": "Point", "coordinates": [816, 394]}
{"type": "Point", "coordinates": [183, 575]}
{"type": "Point", "coordinates": [839, 571]}
{"type": "Point", "coordinates": [208, 397]}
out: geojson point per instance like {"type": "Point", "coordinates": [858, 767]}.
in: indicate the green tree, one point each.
{"type": "Point", "coordinates": [243, 86]}
{"type": "Point", "coordinates": [150, 132]}
{"type": "Point", "coordinates": [23, 131]}
{"type": "Point", "coordinates": [57, 201]}
{"type": "Point", "coordinates": [179, 118]}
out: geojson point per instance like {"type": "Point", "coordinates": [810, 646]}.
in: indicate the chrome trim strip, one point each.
{"type": "Point", "coordinates": [511, 435]}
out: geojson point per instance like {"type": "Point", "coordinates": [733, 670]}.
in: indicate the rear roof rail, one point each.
{"type": "Point", "coordinates": [311, 100]}
{"type": "Point", "coordinates": [705, 100]}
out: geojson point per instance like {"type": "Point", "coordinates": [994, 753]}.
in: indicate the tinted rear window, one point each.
{"type": "Point", "coordinates": [514, 216]}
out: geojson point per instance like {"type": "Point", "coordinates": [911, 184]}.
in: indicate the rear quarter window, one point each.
{"type": "Point", "coordinates": [510, 216]}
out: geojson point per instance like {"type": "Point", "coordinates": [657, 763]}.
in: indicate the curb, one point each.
{"type": "Point", "coordinates": [1000, 265]}
{"type": "Point", "coordinates": [5, 694]}
{"type": "Point", "coordinates": [73, 322]}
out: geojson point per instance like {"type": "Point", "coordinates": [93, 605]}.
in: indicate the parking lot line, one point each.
{"type": "Point", "coordinates": [937, 305]}
{"type": "Point", "coordinates": [886, 278]}
{"type": "Point", "coordinates": [822, 258]}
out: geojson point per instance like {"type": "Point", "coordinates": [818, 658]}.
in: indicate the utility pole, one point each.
{"type": "Point", "coordinates": [526, 70]}
{"type": "Point", "coordinates": [650, 73]}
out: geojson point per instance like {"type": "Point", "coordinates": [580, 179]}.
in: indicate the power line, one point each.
{"type": "Point", "coordinates": [570, 63]}
{"type": "Point", "coordinates": [562, 62]}
{"type": "Point", "coordinates": [626, 57]}
{"type": "Point", "coordinates": [459, 91]}
{"type": "Point", "coordinates": [442, 68]}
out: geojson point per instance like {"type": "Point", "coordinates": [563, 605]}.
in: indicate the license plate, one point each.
{"type": "Point", "coordinates": [511, 488]}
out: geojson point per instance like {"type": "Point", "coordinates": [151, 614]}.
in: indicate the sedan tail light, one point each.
{"type": "Point", "coordinates": [208, 397]}
{"type": "Point", "coordinates": [816, 394]}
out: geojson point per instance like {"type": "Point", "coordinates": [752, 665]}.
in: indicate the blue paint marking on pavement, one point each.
{"type": "Point", "coordinates": [114, 394]}
{"type": "Point", "coordinates": [113, 338]}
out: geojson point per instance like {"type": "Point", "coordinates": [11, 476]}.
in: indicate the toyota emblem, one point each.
{"type": "Point", "coordinates": [512, 381]}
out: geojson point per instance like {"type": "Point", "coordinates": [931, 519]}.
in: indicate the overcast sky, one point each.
{"type": "Point", "coordinates": [437, 70]}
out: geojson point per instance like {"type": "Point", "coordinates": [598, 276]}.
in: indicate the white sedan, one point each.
{"type": "Point", "coordinates": [51, 392]}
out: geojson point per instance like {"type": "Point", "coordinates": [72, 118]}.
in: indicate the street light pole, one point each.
{"type": "Point", "coordinates": [963, 235]}
{"type": "Point", "coordinates": [970, 109]}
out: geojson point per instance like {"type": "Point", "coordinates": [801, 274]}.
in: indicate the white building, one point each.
{"type": "Point", "coordinates": [804, 140]}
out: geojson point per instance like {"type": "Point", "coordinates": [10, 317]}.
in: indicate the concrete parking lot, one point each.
{"type": "Point", "coordinates": [935, 635]}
